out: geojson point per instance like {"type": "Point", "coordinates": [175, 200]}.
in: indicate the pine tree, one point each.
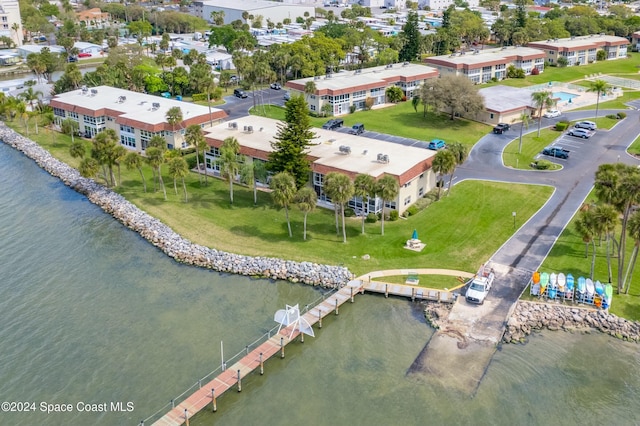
{"type": "Point", "coordinates": [411, 37]}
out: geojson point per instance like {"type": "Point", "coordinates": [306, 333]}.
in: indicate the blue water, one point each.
{"type": "Point", "coordinates": [564, 96]}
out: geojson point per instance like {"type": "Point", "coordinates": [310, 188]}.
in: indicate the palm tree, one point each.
{"type": "Point", "coordinates": [251, 173]}
{"type": "Point", "coordinates": [133, 160]}
{"type": "Point", "coordinates": [460, 153]}
{"type": "Point", "coordinates": [195, 136]}
{"type": "Point", "coordinates": [388, 189]}
{"type": "Point", "coordinates": [77, 149]}
{"type": "Point", "coordinates": [155, 157]}
{"type": "Point", "coordinates": [228, 161]}
{"type": "Point", "coordinates": [363, 187]}
{"type": "Point", "coordinates": [30, 95]}
{"type": "Point", "coordinates": [283, 191]}
{"type": "Point", "coordinates": [309, 89]}
{"type": "Point", "coordinates": [69, 127]}
{"type": "Point", "coordinates": [542, 99]}
{"type": "Point", "coordinates": [634, 232]}
{"type": "Point", "coordinates": [174, 117]}
{"type": "Point", "coordinates": [444, 163]}
{"type": "Point", "coordinates": [524, 118]}
{"type": "Point", "coordinates": [599, 87]}
{"type": "Point", "coordinates": [587, 227]}
{"type": "Point", "coordinates": [89, 167]}
{"type": "Point", "coordinates": [178, 168]}
{"type": "Point", "coordinates": [339, 188]}
{"type": "Point", "coordinates": [105, 150]}
{"type": "Point", "coordinates": [306, 199]}
{"type": "Point", "coordinates": [607, 216]}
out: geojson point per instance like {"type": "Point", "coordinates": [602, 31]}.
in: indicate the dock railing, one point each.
{"type": "Point", "coordinates": [230, 361]}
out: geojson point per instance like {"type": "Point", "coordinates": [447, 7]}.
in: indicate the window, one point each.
{"type": "Point", "coordinates": [491, 116]}
{"type": "Point", "coordinates": [360, 94]}
{"type": "Point", "coordinates": [406, 185]}
{"type": "Point", "coordinates": [126, 129]}
{"type": "Point", "coordinates": [420, 192]}
{"type": "Point", "coordinates": [407, 200]}
{"type": "Point", "coordinates": [73, 115]}
{"type": "Point", "coordinates": [318, 179]}
{"type": "Point", "coordinates": [128, 141]}
{"type": "Point", "coordinates": [58, 112]}
{"type": "Point", "coordinates": [390, 205]}
{"type": "Point", "coordinates": [312, 107]}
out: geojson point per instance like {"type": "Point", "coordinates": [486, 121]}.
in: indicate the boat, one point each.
{"type": "Point", "coordinates": [608, 294]}
{"type": "Point", "coordinates": [535, 284]}
{"type": "Point", "coordinates": [544, 282]}
{"type": "Point", "coordinates": [599, 288]}
{"type": "Point", "coordinates": [582, 288]}
{"type": "Point", "coordinates": [562, 282]}
{"type": "Point", "coordinates": [553, 283]}
{"type": "Point", "coordinates": [570, 285]}
{"type": "Point", "coordinates": [590, 289]}
{"type": "Point", "coordinates": [597, 301]}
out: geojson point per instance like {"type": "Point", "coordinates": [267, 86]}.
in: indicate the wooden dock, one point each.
{"type": "Point", "coordinates": [207, 394]}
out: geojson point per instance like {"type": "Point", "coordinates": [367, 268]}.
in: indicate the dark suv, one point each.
{"type": "Point", "coordinates": [333, 124]}
{"type": "Point", "coordinates": [501, 128]}
{"type": "Point", "coordinates": [240, 93]}
{"type": "Point", "coordinates": [357, 129]}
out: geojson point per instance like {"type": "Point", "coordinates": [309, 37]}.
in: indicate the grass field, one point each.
{"type": "Point", "coordinates": [532, 145]}
{"type": "Point", "coordinates": [402, 120]}
{"type": "Point", "coordinates": [455, 241]}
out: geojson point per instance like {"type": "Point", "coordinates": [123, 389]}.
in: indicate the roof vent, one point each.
{"type": "Point", "coordinates": [317, 77]}
{"type": "Point", "coordinates": [155, 106]}
{"type": "Point", "coordinates": [84, 90]}
{"type": "Point", "coordinates": [405, 64]}
{"type": "Point", "coordinates": [345, 149]}
{"type": "Point", "coordinates": [94, 92]}
{"type": "Point", "coordinates": [121, 99]}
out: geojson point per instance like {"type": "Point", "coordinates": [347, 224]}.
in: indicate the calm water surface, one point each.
{"type": "Point", "coordinates": [89, 312]}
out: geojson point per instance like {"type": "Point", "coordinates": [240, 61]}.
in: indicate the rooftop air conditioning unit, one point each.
{"type": "Point", "coordinates": [249, 129]}
{"type": "Point", "coordinates": [405, 64]}
{"type": "Point", "coordinates": [233, 125]}
{"type": "Point", "coordinates": [155, 105]}
{"type": "Point", "coordinates": [345, 149]}
{"type": "Point", "coordinates": [121, 99]}
{"type": "Point", "coordinates": [385, 158]}
{"type": "Point", "coordinates": [94, 92]}
{"type": "Point", "coordinates": [379, 158]}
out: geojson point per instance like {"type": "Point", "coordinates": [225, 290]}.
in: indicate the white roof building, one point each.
{"type": "Point", "coordinates": [233, 9]}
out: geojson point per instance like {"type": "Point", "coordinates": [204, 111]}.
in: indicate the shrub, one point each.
{"type": "Point", "coordinates": [352, 109]}
{"type": "Point", "coordinates": [622, 115]}
{"type": "Point", "coordinates": [612, 116]}
{"type": "Point", "coordinates": [535, 71]}
{"type": "Point", "coordinates": [197, 97]}
{"type": "Point", "coordinates": [371, 218]}
{"type": "Point", "coordinates": [541, 164]}
{"type": "Point", "coordinates": [394, 215]}
{"type": "Point", "coordinates": [412, 210]}
{"type": "Point", "coordinates": [349, 213]}
{"type": "Point", "coordinates": [561, 126]}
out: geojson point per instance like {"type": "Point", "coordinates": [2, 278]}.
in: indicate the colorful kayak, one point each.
{"type": "Point", "coordinates": [544, 282]}
{"type": "Point", "coordinates": [552, 292]}
{"type": "Point", "coordinates": [553, 279]}
{"type": "Point", "coordinates": [608, 294]}
{"type": "Point", "coordinates": [562, 282]}
{"type": "Point", "coordinates": [599, 288]}
{"type": "Point", "coordinates": [570, 284]}
{"type": "Point", "coordinates": [597, 300]}
{"type": "Point", "coordinates": [582, 284]}
{"type": "Point", "coordinates": [590, 287]}
{"type": "Point", "coordinates": [536, 277]}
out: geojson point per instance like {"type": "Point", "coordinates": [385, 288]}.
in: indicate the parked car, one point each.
{"type": "Point", "coordinates": [286, 96]}
{"type": "Point", "coordinates": [84, 55]}
{"type": "Point", "coordinates": [276, 86]}
{"type": "Point", "coordinates": [552, 113]}
{"type": "Point", "coordinates": [333, 124]}
{"type": "Point", "coordinates": [437, 144]}
{"type": "Point", "coordinates": [479, 288]}
{"type": "Point", "coordinates": [555, 151]}
{"type": "Point", "coordinates": [501, 128]}
{"type": "Point", "coordinates": [240, 93]}
{"type": "Point", "coordinates": [72, 59]}
{"type": "Point", "coordinates": [580, 133]}
{"type": "Point", "coordinates": [357, 129]}
{"type": "Point", "coordinates": [589, 125]}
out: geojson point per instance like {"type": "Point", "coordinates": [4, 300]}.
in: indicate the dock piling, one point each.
{"type": "Point", "coordinates": [386, 291]}
{"type": "Point", "coordinates": [319, 318]}
{"type": "Point", "coordinates": [239, 382]}
{"type": "Point", "coordinates": [351, 288]}
{"type": "Point", "coordinates": [214, 404]}
{"type": "Point", "coordinates": [282, 347]}
{"type": "Point", "coordinates": [186, 417]}
{"type": "Point", "coordinates": [336, 306]}
{"type": "Point", "coordinates": [261, 365]}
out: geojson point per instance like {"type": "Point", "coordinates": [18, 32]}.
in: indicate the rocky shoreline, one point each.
{"type": "Point", "coordinates": [168, 241]}
{"type": "Point", "coordinates": [531, 316]}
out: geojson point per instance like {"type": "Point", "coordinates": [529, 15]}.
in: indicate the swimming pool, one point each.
{"type": "Point", "coordinates": [564, 96]}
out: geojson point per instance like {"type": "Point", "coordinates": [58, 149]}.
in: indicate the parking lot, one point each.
{"type": "Point", "coordinates": [575, 145]}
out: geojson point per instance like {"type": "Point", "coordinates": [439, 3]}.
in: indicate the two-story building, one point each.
{"type": "Point", "coordinates": [582, 50]}
{"type": "Point", "coordinates": [346, 89]}
{"type": "Point", "coordinates": [334, 152]}
{"type": "Point", "coordinates": [135, 117]}
{"type": "Point", "coordinates": [481, 66]}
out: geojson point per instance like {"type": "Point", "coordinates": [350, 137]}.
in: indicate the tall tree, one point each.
{"type": "Point", "coordinates": [283, 191]}
{"type": "Point", "coordinates": [69, 127]}
{"type": "Point", "coordinates": [174, 117]}
{"type": "Point", "coordinates": [251, 173]}
{"type": "Point", "coordinates": [155, 157]}
{"type": "Point", "coordinates": [105, 152]}
{"type": "Point", "coordinates": [634, 232]}
{"type": "Point", "coordinates": [460, 153]}
{"type": "Point", "coordinates": [339, 188]}
{"type": "Point", "coordinates": [444, 163]}
{"type": "Point", "coordinates": [77, 149]}
{"type": "Point", "coordinates": [387, 188]}
{"type": "Point", "coordinates": [306, 200]}
{"type": "Point", "coordinates": [542, 99]}
{"type": "Point", "coordinates": [410, 37]}
{"type": "Point", "coordinates": [195, 136]}
{"type": "Point", "coordinates": [29, 95]}
{"type": "Point", "coordinates": [292, 140]}
{"type": "Point", "coordinates": [524, 122]}
{"type": "Point", "coordinates": [458, 95]}
{"type": "Point", "coordinates": [587, 226]}
{"type": "Point", "coordinates": [228, 161]}
{"type": "Point", "coordinates": [178, 169]}
{"type": "Point", "coordinates": [607, 216]}
{"type": "Point", "coordinates": [600, 87]}
{"type": "Point", "coordinates": [133, 160]}
{"type": "Point", "coordinates": [363, 187]}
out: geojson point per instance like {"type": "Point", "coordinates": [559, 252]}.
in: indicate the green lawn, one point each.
{"type": "Point", "coordinates": [402, 120]}
{"type": "Point", "coordinates": [456, 241]}
{"type": "Point", "coordinates": [568, 256]}
{"type": "Point", "coordinates": [634, 148]}
{"type": "Point", "coordinates": [532, 145]}
{"type": "Point", "coordinates": [618, 103]}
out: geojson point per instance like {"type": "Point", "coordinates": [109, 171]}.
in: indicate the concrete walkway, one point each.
{"type": "Point", "coordinates": [419, 271]}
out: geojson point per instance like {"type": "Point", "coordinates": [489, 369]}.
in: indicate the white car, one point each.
{"type": "Point", "coordinates": [552, 113]}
